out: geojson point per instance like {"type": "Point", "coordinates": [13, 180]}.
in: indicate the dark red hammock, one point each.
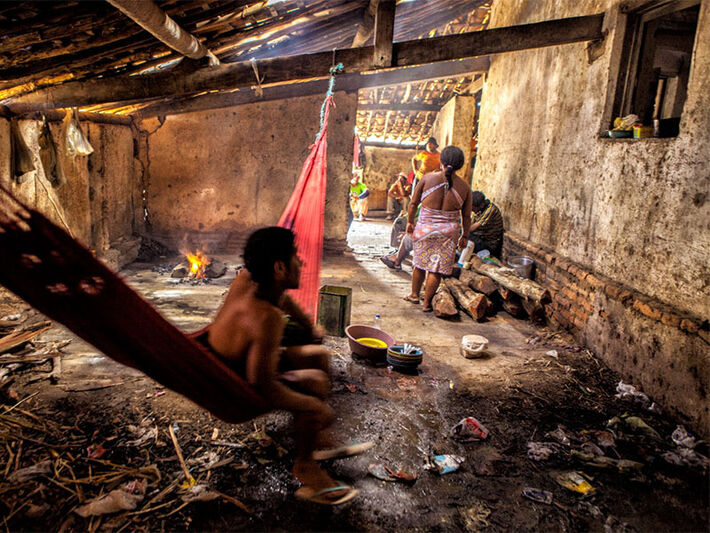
{"type": "Point", "coordinates": [304, 215]}
{"type": "Point", "coordinates": [58, 276]}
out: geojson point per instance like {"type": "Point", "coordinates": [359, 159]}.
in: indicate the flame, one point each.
{"type": "Point", "coordinates": [198, 262]}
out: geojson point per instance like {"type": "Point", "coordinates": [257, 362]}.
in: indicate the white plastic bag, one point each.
{"type": "Point", "coordinates": [73, 138]}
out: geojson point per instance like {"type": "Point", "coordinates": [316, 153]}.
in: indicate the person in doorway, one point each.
{"type": "Point", "coordinates": [486, 225]}
{"type": "Point", "coordinates": [247, 334]}
{"type": "Point", "coordinates": [358, 197]}
{"type": "Point", "coordinates": [444, 197]}
{"type": "Point", "coordinates": [398, 196]}
{"type": "Point", "coordinates": [426, 161]}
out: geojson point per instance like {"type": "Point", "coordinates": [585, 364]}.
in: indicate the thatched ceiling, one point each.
{"type": "Point", "coordinates": [49, 43]}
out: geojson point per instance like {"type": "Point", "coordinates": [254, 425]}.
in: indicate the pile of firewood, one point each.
{"type": "Point", "coordinates": [486, 288]}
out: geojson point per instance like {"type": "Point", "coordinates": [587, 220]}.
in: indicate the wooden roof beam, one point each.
{"type": "Point", "coordinates": [156, 22]}
{"type": "Point", "coordinates": [305, 66]}
{"type": "Point", "coordinates": [384, 33]}
{"type": "Point", "coordinates": [405, 108]}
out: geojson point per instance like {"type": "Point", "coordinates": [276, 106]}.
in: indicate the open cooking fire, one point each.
{"type": "Point", "coordinates": [198, 262]}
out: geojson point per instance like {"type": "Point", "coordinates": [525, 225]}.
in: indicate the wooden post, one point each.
{"type": "Point", "coordinates": [384, 33]}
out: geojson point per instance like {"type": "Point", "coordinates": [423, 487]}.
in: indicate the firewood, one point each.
{"type": "Point", "coordinates": [475, 304]}
{"type": "Point", "coordinates": [443, 303]}
{"type": "Point", "coordinates": [511, 281]}
{"type": "Point", "coordinates": [513, 308]}
{"type": "Point", "coordinates": [478, 282]}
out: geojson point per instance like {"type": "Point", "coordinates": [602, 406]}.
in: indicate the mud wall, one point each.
{"type": "Point", "coordinates": [97, 203]}
{"type": "Point", "coordinates": [214, 175]}
{"type": "Point", "coordinates": [454, 126]}
{"type": "Point", "coordinates": [382, 165]}
{"type": "Point", "coordinates": [635, 213]}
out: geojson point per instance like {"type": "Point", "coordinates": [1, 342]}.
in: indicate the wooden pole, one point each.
{"type": "Point", "coordinates": [443, 303]}
{"type": "Point", "coordinates": [384, 33]}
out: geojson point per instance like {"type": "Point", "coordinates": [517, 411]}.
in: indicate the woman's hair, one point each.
{"type": "Point", "coordinates": [452, 159]}
{"type": "Point", "coordinates": [264, 247]}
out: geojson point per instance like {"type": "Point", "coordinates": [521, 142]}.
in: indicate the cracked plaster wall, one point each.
{"type": "Point", "coordinates": [214, 175]}
{"type": "Point", "coordinates": [633, 211]}
{"type": "Point", "coordinates": [99, 190]}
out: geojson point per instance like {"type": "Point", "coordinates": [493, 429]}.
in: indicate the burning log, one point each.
{"type": "Point", "coordinates": [199, 266]}
{"type": "Point", "coordinates": [475, 304]}
{"type": "Point", "coordinates": [478, 282]}
{"type": "Point", "coordinates": [509, 280]}
{"type": "Point", "coordinates": [444, 304]}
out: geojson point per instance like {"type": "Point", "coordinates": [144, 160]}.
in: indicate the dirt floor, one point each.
{"type": "Point", "coordinates": [101, 426]}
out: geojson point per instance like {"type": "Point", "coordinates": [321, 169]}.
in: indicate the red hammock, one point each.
{"type": "Point", "coordinates": [304, 215]}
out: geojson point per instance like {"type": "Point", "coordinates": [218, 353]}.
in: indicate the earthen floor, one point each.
{"type": "Point", "coordinates": [519, 393]}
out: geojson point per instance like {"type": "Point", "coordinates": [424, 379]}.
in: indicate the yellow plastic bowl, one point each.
{"type": "Point", "coordinates": [373, 343]}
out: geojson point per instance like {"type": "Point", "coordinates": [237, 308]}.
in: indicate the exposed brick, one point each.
{"type": "Point", "coordinates": [626, 297]}
{"type": "Point", "coordinates": [689, 325]}
{"type": "Point", "coordinates": [594, 281]}
{"type": "Point", "coordinates": [671, 320]}
{"type": "Point", "coordinates": [569, 293]}
{"type": "Point", "coordinates": [577, 272]}
{"type": "Point", "coordinates": [560, 299]}
{"type": "Point", "coordinates": [579, 311]}
{"type": "Point", "coordinates": [564, 264]}
{"type": "Point", "coordinates": [579, 322]}
{"type": "Point", "coordinates": [549, 258]}
{"type": "Point", "coordinates": [647, 310]}
{"type": "Point", "coordinates": [705, 335]}
{"type": "Point", "coordinates": [586, 304]}
{"type": "Point", "coordinates": [612, 290]}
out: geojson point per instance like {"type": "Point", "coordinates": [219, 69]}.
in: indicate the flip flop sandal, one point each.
{"type": "Point", "coordinates": [354, 448]}
{"type": "Point", "coordinates": [390, 264]}
{"type": "Point", "coordinates": [427, 309]}
{"type": "Point", "coordinates": [316, 496]}
{"type": "Point", "coordinates": [411, 300]}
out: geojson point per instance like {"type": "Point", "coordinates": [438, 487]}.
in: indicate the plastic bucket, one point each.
{"type": "Point", "coordinates": [522, 264]}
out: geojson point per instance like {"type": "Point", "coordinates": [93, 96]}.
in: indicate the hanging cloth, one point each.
{"type": "Point", "coordinates": [61, 278]}
{"type": "Point", "coordinates": [356, 153]}
{"type": "Point", "coordinates": [48, 155]}
{"type": "Point", "coordinates": [305, 210]}
{"type": "Point", "coordinates": [21, 163]}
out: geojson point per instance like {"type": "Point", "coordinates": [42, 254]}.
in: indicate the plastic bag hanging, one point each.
{"type": "Point", "coordinates": [48, 155]}
{"type": "Point", "coordinates": [21, 163]}
{"type": "Point", "coordinates": [73, 138]}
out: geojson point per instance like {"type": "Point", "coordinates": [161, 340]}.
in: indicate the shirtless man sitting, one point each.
{"type": "Point", "coordinates": [247, 333]}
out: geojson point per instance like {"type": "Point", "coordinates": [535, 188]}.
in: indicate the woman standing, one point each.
{"type": "Point", "coordinates": [446, 203]}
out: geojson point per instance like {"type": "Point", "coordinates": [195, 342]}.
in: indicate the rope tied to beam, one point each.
{"type": "Point", "coordinates": [259, 91]}
{"type": "Point", "coordinates": [334, 70]}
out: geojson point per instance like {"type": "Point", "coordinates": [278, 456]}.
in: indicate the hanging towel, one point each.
{"type": "Point", "coordinates": [21, 163]}
{"type": "Point", "coordinates": [48, 155]}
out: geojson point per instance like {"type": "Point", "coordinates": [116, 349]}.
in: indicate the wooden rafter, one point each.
{"type": "Point", "coordinates": [471, 44]}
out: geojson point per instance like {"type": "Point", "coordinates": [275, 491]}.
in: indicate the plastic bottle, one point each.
{"type": "Point", "coordinates": [377, 323]}
{"type": "Point", "coordinates": [466, 253]}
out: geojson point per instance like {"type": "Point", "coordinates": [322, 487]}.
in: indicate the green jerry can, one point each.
{"type": "Point", "coordinates": [334, 309]}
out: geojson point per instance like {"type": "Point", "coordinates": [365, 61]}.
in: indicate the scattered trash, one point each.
{"type": "Point", "coordinates": [686, 457]}
{"type": "Point", "coordinates": [538, 495]}
{"type": "Point", "coordinates": [560, 436]}
{"type": "Point", "coordinates": [622, 465]}
{"type": "Point", "coordinates": [11, 318]}
{"type": "Point", "coordinates": [176, 427]}
{"type": "Point", "coordinates": [533, 340]}
{"type": "Point", "coordinates": [25, 474]}
{"type": "Point", "coordinates": [143, 433]}
{"type": "Point", "coordinates": [386, 473]}
{"type": "Point", "coordinates": [575, 482]}
{"type": "Point", "coordinates": [199, 493]}
{"type": "Point", "coordinates": [37, 511]}
{"type": "Point", "coordinates": [635, 424]}
{"type": "Point", "coordinates": [626, 391]}
{"type": "Point", "coordinates": [605, 439]}
{"type": "Point", "coordinates": [475, 517]}
{"type": "Point", "coordinates": [552, 353]}
{"type": "Point", "coordinates": [682, 438]}
{"type": "Point", "coordinates": [215, 434]}
{"type": "Point", "coordinates": [205, 461]}
{"type": "Point", "coordinates": [445, 464]}
{"type": "Point", "coordinates": [126, 498]}
{"type": "Point", "coordinates": [469, 429]}
{"type": "Point", "coordinates": [95, 451]}
{"type": "Point", "coordinates": [474, 346]}
{"type": "Point", "coordinates": [542, 451]}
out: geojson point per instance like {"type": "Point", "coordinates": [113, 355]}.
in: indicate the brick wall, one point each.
{"type": "Point", "coordinates": [652, 345]}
